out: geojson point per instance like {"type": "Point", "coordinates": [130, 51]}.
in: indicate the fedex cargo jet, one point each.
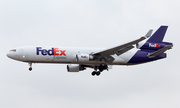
{"type": "Point", "coordinates": [148, 48]}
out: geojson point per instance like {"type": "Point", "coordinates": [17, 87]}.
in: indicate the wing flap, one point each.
{"type": "Point", "coordinates": [123, 50]}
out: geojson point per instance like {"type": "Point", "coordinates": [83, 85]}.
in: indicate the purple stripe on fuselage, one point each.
{"type": "Point", "coordinates": [141, 57]}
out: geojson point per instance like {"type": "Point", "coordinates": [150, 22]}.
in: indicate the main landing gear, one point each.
{"type": "Point", "coordinates": [96, 73]}
{"type": "Point", "coordinates": [101, 68]}
{"type": "Point", "coordinates": [30, 68]}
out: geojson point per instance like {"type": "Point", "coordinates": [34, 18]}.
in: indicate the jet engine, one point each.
{"type": "Point", "coordinates": [75, 68]}
{"type": "Point", "coordinates": [83, 57]}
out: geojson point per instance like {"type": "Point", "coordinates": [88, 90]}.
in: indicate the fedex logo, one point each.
{"type": "Point", "coordinates": [154, 45]}
{"type": "Point", "coordinates": [84, 56]}
{"type": "Point", "coordinates": [53, 51]}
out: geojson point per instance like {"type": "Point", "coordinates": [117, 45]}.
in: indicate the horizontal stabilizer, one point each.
{"type": "Point", "coordinates": [160, 51]}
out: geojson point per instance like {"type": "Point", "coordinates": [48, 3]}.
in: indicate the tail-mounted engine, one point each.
{"type": "Point", "coordinates": [83, 57]}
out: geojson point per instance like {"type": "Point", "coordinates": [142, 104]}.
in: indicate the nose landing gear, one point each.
{"type": "Point", "coordinates": [30, 68]}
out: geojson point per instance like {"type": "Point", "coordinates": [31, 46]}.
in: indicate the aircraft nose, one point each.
{"type": "Point", "coordinates": [9, 55]}
{"type": "Point", "coordinates": [12, 54]}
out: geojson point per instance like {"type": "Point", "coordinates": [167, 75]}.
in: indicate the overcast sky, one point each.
{"type": "Point", "coordinates": [87, 23]}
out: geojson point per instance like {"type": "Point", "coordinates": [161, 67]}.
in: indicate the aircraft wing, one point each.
{"type": "Point", "coordinates": [118, 50]}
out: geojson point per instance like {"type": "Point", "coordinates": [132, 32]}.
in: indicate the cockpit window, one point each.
{"type": "Point", "coordinates": [14, 50]}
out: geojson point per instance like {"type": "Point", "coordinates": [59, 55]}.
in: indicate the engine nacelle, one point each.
{"type": "Point", "coordinates": [75, 68]}
{"type": "Point", "coordinates": [83, 57]}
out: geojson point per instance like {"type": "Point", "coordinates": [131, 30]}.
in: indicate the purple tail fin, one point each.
{"type": "Point", "coordinates": [158, 36]}
{"type": "Point", "coordinates": [155, 42]}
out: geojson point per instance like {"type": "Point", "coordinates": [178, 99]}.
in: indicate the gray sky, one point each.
{"type": "Point", "coordinates": [89, 23]}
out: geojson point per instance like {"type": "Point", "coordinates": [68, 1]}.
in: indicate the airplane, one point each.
{"type": "Point", "coordinates": [148, 48]}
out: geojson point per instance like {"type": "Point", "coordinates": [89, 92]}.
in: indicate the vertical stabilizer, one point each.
{"type": "Point", "coordinates": [158, 36]}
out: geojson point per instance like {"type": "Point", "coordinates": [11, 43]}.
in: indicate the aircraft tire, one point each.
{"type": "Point", "coordinates": [98, 73]}
{"type": "Point", "coordinates": [93, 73]}
{"type": "Point", "coordinates": [30, 68]}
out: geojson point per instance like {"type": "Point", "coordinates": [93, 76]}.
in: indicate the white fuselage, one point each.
{"type": "Point", "coordinates": [63, 55]}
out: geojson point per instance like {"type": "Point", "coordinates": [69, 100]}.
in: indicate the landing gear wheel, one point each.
{"type": "Point", "coordinates": [98, 73]}
{"type": "Point", "coordinates": [30, 68]}
{"type": "Point", "coordinates": [30, 64]}
{"type": "Point", "coordinates": [101, 68]}
{"type": "Point", "coordinates": [93, 73]}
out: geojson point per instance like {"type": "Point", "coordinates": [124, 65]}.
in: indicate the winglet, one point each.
{"type": "Point", "coordinates": [148, 33]}
{"type": "Point", "coordinates": [140, 44]}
